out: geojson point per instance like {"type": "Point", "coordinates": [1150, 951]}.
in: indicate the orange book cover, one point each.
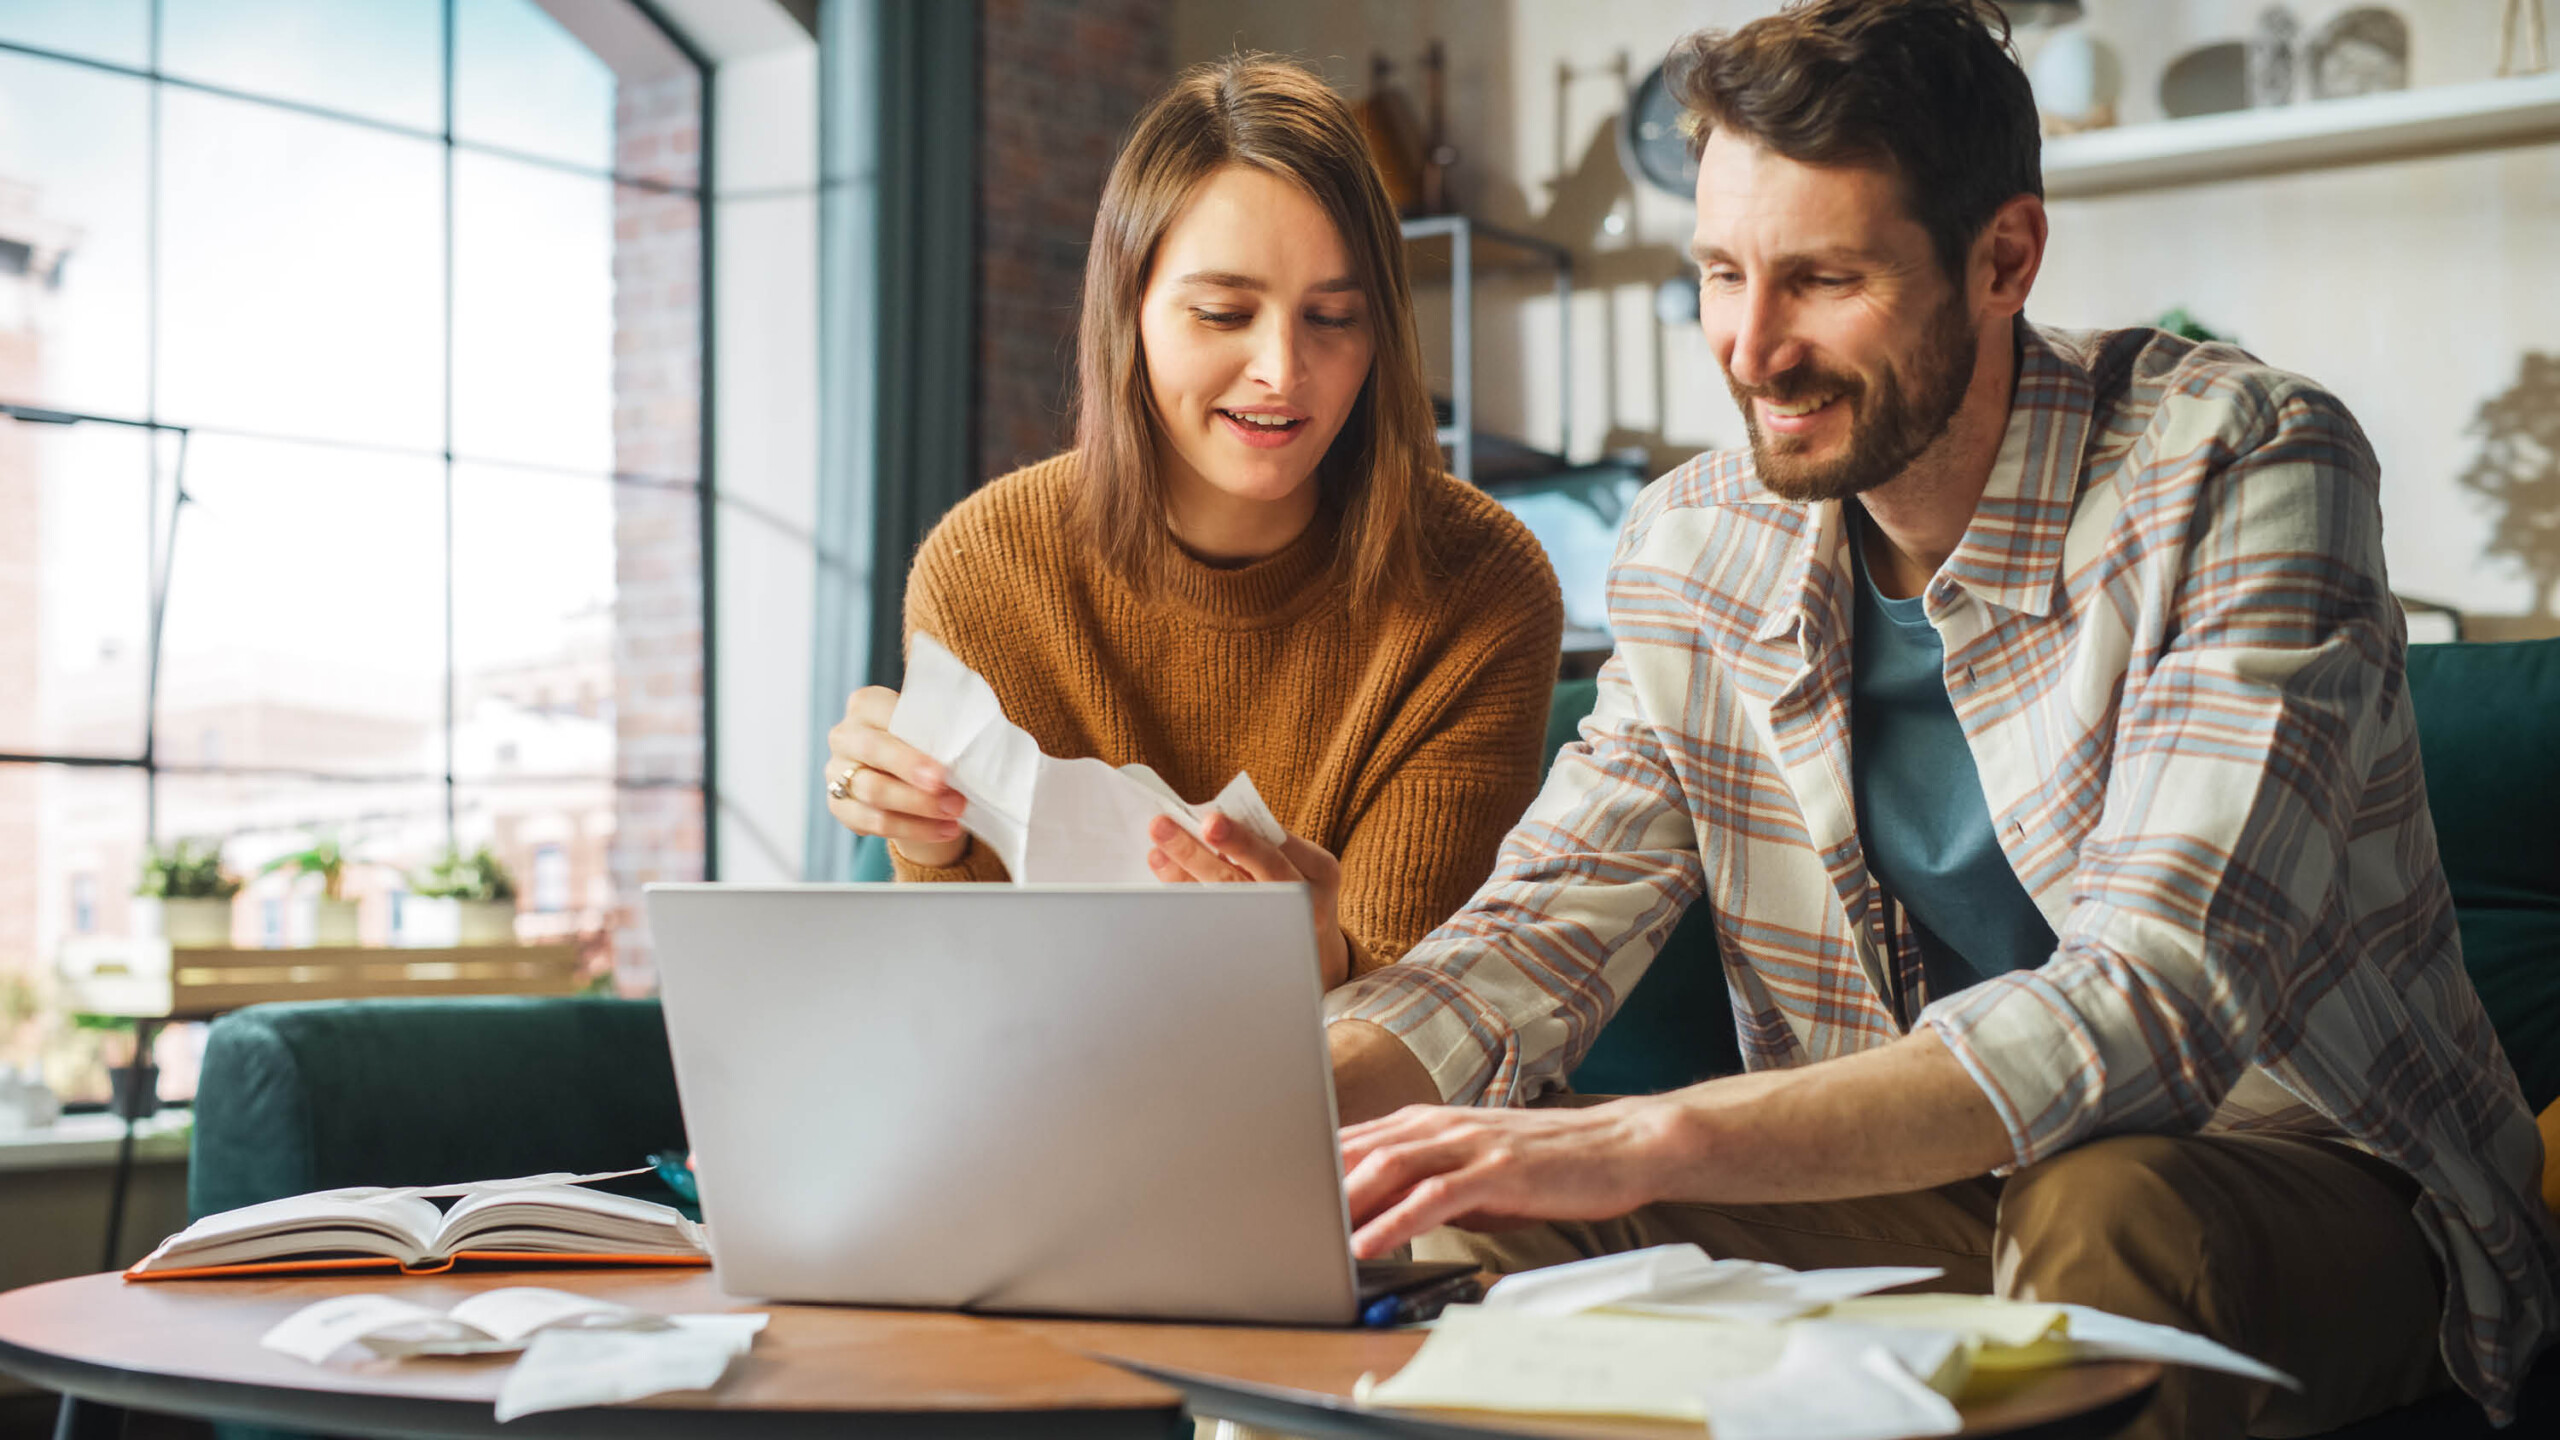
{"type": "Point", "coordinates": [338, 1263]}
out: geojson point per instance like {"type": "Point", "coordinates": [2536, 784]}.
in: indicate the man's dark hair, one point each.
{"type": "Point", "coordinates": [1927, 90]}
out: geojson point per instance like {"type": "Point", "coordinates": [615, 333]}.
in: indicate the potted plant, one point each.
{"type": "Point", "coordinates": [185, 894]}
{"type": "Point", "coordinates": [461, 900]}
{"type": "Point", "coordinates": [333, 915]}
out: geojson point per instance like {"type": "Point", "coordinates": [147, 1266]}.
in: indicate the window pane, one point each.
{"type": "Point", "coordinates": [74, 145]}
{"type": "Point", "coordinates": [533, 314]}
{"type": "Point", "coordinates": [533, 623]}
{"type": "Point", "coordinates": [70, 850]}
{"type": "Point", "coordinates": [555, 838]}
{"type": "Point", "coordinates": [302, 275]}
{"type": "Point", "coordinates": [112, 30]}
{"type": "Point", "coordinates": [388, 830]}
{"type": "Point", "coordinates": [75, 544]}
{"type": "Point", "coordinates": [383, 59]}
{"type": "Point", "coordinates": [523, 83]}
{"type": "Point", "coordinates": [306, 612]}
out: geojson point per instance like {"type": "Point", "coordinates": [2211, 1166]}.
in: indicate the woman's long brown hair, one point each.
{"type": "Point", "coordinates": [1267, 113]}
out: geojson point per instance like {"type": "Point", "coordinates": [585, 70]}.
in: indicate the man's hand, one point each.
{"type": "Point", "coordinates": [1431, 1165]}
{"type": "Point", "coordinates": [1903, 1116]}
{"type": "Point", "coordinates": [1233, 855]}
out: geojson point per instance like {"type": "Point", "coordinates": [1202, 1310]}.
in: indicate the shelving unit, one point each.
{"type": "Point", "coordinates": [2311, 135]}
{"type": "Point", "coordinates": [1453, 248]}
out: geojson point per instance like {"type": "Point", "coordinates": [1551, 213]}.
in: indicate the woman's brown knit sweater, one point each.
{"type": "Point", "coordinates": [1405, 741]}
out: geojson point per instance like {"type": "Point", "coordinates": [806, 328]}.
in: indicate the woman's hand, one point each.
{"type": "Point", "coordinates": [1233, 854]}
{"type": "Point", "coordinates": [878, 784]}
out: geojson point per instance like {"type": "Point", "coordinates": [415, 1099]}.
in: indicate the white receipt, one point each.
{"type": "Point", "coordinates": [564, 1369]}
{"type": "Point", "coordinates": [1681, 1280]}
{"type": "Point", "coordinates": [490, 1323]}
{"type": "Point", "coordinates": [318, 1330]}
{"type": "Point", "coordinates": [1051, 821]}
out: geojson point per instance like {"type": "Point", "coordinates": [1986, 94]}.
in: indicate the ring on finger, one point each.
{"type": "Point", "coordinates": [841, 787]}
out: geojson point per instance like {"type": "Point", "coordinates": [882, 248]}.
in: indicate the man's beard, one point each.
{"type": "Point", "coordinates": [1888, 427]}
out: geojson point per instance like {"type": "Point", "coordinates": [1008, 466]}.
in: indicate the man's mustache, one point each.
{"type": "Point", "coordinates": [1797, 384]}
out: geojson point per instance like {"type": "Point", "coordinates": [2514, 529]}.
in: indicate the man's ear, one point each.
{"type": "Point", "coordinates": [2007, 255]}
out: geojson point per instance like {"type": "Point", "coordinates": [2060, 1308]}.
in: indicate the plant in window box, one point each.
{"type": "Point", "coordinates": [332, 915]}
{"type": "Point", "coordinates": [460, 900]}
{"type": "Point", "coordinates": [133, 1081]}
{"type": "Point", "coordinates": [185, 894]}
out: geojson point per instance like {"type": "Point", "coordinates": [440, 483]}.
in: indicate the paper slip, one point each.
{"type": "Point", "coordinates": [1681, 1280]}
{"type": "Point", "coordinates": [2097, 1335]}
{"type": "Point", "coordinates": [564, 1369]}
{"type": "Point", "coordinates": [318, 1330]}
{"type": "Point", "coordinates": [1835, 1383]}
{"type": "Point", "coordinates": [1746, 1381]}
{"type": "Point", "coordinates": [1051, 821]}
{"type": "Point", "coordinates": [1852, 1367]}
{"type": "Point", "coordinates": [1594, 1364]}
{"type": "Point", "coordinates": [492, 1322]}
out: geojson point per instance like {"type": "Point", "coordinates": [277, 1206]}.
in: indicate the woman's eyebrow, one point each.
{"type": "Point", "coordinates": [1230, 280]}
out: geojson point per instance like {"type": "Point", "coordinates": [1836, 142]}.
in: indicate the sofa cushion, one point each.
{"type": "Point", "coordinates": [1676, 1027]}
{"type": "Point", "coordinates": [319, 1094]}
{"type": "Point", "coordinates": [2489, 731]}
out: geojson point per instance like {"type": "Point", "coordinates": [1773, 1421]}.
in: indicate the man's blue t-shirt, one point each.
{"type": "Point", "coordinates": [1922, 820]}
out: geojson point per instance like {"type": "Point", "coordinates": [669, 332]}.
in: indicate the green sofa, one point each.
{"type": "Point", "coordinates": [301, 1097]}
{"type": "Point", "coordinates": [318, 1094]}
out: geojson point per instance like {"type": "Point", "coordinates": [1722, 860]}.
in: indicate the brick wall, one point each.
{"type": "Point", "coordinates": [657, 431]}
{"type": "Point", "coordinates": [1059, 84]}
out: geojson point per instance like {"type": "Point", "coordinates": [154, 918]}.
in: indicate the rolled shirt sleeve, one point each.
{"type": "Point", "coordinates": [1501, 1001]}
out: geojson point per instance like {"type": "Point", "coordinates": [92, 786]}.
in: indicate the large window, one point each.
{"type": "Point", "coordinates": [351, 488]}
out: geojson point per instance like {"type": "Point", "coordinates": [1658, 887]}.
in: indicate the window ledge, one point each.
{"type": "Point", "coordinates": [81, 1142]}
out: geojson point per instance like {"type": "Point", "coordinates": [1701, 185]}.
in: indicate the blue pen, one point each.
{"type": "Point", "coordinates": [1420, 1303]}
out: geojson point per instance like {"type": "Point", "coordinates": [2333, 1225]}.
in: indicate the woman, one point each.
{"type": "Point", "coordinates": [1251, 560]}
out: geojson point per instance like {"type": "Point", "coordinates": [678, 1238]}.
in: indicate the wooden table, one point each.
{"type": "Point", "coordinates": [191, 1348]}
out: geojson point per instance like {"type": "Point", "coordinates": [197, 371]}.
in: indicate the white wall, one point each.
{"type": "Point", "coordinates": [2412, 289]}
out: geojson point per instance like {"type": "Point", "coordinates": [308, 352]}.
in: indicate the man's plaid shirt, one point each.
{"type": "Point", "coordinates": [2174, 653]}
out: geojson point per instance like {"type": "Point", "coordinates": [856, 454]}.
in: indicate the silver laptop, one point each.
{"type": "Point", "coordinates": [1065, 1099]}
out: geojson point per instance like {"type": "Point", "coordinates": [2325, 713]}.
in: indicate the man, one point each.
{"type": "Point", "coordinates": [2029, 707]}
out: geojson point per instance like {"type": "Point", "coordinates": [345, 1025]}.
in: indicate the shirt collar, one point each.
{"type": "Point", "coordinates": [2011, 553]}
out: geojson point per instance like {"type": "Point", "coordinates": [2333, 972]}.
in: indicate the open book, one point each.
{"type": "Point", "coordinates": [542, 1218]}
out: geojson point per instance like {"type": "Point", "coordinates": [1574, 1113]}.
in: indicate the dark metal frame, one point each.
{"type": "Point", "coordinates": [158, 81]}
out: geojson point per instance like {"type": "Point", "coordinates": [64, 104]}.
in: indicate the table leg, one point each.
{"type": "Point", "coordinates": [88, 1420]}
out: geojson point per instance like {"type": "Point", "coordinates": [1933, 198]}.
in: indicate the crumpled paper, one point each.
{"type": "Point", "coordinates": [1051, 821]}
{"type": "Point", "coordinates": [565, 1369]}
{"type": "Point", "coordinates": [578, 1350]}
{"type": "Point", "coordinates": [1758, 1351]}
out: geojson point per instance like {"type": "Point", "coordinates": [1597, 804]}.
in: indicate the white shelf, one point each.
{"type": "Point", "coordinates": [2310, 135]}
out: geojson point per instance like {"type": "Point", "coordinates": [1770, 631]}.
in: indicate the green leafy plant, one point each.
{"type": "Point", "coordinates": [476, 876]}
{"type": "Point", "coordinates": [324, 858]}
{"type": "Point", "coordinates": [187, 870]}
{"type": "Point", "coordinates": [2178, 322]}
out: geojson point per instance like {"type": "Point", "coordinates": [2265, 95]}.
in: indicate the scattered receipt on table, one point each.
{"type": "Point", "coordinates": [566, 1369]}
{"type": "Point", "coordinates": [1680, 1280]}
{"type": "Point", "coordinates": [578, 1350]}
{"type": "Point", "coordinates": [1051, 821]}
